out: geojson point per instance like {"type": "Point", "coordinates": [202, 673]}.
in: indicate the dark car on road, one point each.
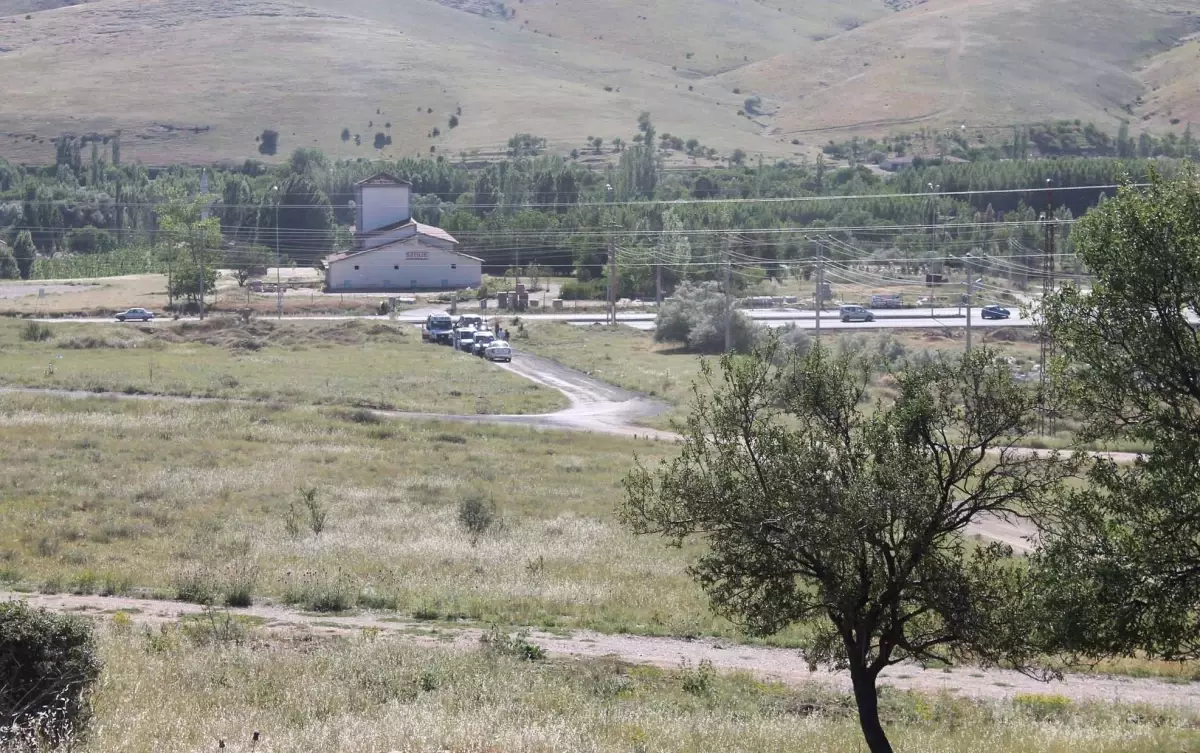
{"type": "Point", "coordinates": [995, 312]}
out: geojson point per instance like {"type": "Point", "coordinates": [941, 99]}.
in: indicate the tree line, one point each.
{"type": "Point", "coordinates": [548, 210]}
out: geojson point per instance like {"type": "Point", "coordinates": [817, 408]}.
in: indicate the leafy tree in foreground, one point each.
{"type": "Point", "coordinates": [25, 253]}
{"type": "Point", "coordinates": [853, 522]}
{"type": "Point", "coordinates": [1123, 554]}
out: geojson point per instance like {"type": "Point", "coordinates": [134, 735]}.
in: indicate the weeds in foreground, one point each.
{"type": "Point", "coordinates": [317, 513]}
{"type": "Point", "coordinates": [518, 646]}
{"type": "Point", "coordinates": [698, 681]}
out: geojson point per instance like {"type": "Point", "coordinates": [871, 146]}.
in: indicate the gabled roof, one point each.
{"type": "Point", "coordinates": [428, 231]}
{"type": "Point", "coordinates": [434, 232]}
{"type": "Point", "coordinates": [383, 179]}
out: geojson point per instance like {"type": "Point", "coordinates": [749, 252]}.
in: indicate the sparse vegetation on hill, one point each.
{"type": "Point", "coordinates": [820, 64]}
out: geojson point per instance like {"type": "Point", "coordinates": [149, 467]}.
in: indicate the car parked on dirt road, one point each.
{"type": "Point", "coordinates": [464, 339]}
{"type": "Point", "coordinates": [135, 315]}
{"type": "Point", "coordinates": [856, 314]}
{"type": "Point", "coordinates": [995, 312]}
{"type": "Point", "coordinates": [498, 350]}
{"type": "Point", "coordinates": [482, 340]}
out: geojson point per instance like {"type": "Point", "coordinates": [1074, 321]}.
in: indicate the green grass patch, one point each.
{"type": "Point", "coordinates": [350, 363]}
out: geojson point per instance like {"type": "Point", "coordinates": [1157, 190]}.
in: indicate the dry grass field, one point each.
{"type": "Point", "coordinates": [196, 500]}
{"type": "Point", "coordinates": [180, 690]}
{"type": "Point", "coordinates": [347, 363]}
{"type": "Point", "coordinates": [196, 82]}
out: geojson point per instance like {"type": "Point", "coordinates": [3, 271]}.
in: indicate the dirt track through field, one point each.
{"type": "Point", "coordinates": [595, 406]}
{"type": "Point", "coordinates": [779, 664]}
{"type": "Point", "coordinates": [602, 408]}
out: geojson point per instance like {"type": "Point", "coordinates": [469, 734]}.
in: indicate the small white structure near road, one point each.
{"type": "Point", "coordinates": [394, 252]}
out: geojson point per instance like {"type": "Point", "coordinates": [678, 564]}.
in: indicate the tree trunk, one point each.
{"type": "Point", "coordinates": [866, 697]}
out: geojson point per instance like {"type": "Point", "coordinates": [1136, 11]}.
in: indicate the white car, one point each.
{"type": "Point", "coordinates": [135, 315]}
{"type": "Point", "coordinates": [498, 350]}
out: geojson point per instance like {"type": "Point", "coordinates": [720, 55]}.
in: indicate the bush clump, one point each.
{"type": "Point", "coordinates": [48, 664]}
{"type": "Point", "coordinates": [36, 332]}
{"type": "Point", "coordinates": [477, 516]}
{"type": "Point", "coordinates": [695, 316]}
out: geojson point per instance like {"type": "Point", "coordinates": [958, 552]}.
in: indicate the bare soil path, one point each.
{"type": "Point", "coordinates": [779, 664]}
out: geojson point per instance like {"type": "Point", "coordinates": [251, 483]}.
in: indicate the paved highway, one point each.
{"type": "Point", "coordinates": [893, 319]}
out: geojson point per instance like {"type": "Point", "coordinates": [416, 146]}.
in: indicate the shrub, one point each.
{"type": "Point", "coordinates": [517, 646]}
{"type": "Point", "coordinates": [317, 513]}
{"type": "Point", "coordinates": [36, 332]}
{"type": "Point", "coordinates": [696, 318]}
{"type": "Point", "coordinates": [49, 663]}
{"type": "Point", "coordinates": [380, 140]}
{"type": "Point", "coordinates": [9, 269]}
{"type": "Point", "coordinates": [321, 593]}
{"type": "Point", "coordinates": [573, 290]}
{"type": "Point", "coordinates": [794, 339]}
{"type": "Point", "coordinates": [268, 142]}
{"type": "Point", "coordinates": [699, 681]}
{"type": "Point", "coordinates": [476, 516]}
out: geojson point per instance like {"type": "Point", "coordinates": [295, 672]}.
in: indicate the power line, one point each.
{"type": "Point", "coordinates": [659, 202]}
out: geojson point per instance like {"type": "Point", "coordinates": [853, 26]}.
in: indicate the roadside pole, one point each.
{"type": "Point", "coordinates": [820, 292]}
{"type": "Point", "coordinates": [728, 301]}
{"type": "Point", "coordinates": [278, 273]}
{"type": "Point", "coordinates": [970, 290]}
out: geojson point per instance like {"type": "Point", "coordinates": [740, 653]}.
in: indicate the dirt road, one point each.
{"type": "Point", "coordinates": [596, 407]}
{"type": "Point", "coordinates": [783, 665]}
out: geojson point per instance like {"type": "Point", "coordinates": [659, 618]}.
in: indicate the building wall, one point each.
{"type": "Point", "coordinates": [382, 205]}
{"type": "Point", "coordinates": [417, 263]}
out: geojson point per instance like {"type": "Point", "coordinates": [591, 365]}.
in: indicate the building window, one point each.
{"type": "Point", "coordinates": [355, 267]}
{"type": "Point", "coordinates": [453, 266]}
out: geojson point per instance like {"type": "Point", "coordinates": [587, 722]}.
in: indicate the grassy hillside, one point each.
{"type": "Point", "coordinates": [1173, 83]}
{"type": "Point", "coordinates": [983, 62]}
{"type": "Point", "coordinates": [188, 81]}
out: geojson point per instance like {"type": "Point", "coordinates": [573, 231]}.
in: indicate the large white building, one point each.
{"type": "Point", "coordinates": [394, 252]}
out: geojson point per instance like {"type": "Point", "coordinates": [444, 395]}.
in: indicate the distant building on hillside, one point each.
{"type": "Point", "coordinates": [392, 251]}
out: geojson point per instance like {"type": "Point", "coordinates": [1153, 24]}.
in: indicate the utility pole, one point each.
{"type": "Point", "coordinates": [820, 289]}
{"type": "Point", "coordinates": [728, 301]}
{"type": "Point", "coordinates": [203, 217]}
{"type": "Point", "coordinates": [1047, 347]}
{"type": "Point", "coordinates": [932, 244]}
{"type": "Point", "coordinates": [970, 290]}
{"type": "Point", "coordinates": [278, 272]}
{"type": "Point", "coordinates": [611, 313]}
{"type": "Point", "coordinates": [658, 276]}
